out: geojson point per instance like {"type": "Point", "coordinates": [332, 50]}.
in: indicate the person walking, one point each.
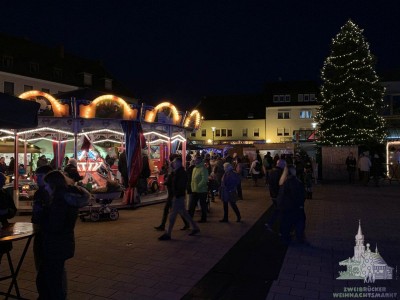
{"type": "Point", "coordinates": [168, 204]}
{"type": "Point", "coordinates": [178, 189]}
{"type": "Point", "coordinates": [351, 165]}
{"type": "Point", "coordinates": [199, 187]}
{"type": "Point", "coordinates": [230, 181]}
{"type": "Point", "coordinates": [376, 169]}
{"type": "Point", "coordinates": [290, 202]}
{"type": "Point", "coordinates": [57, 227]}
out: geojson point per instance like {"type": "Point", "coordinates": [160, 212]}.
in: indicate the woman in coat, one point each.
{"type": "Point", "coordinates": [229, 184]}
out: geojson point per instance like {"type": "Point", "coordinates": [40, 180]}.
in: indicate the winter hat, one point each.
{"type": "Point", "coordinates": [73, 162]}
{"type": "Point", "coordinates": [227, 167]}
{"type": "Point", "coordinates": [281, 164]}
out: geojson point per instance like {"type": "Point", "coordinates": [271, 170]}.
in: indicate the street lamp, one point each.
{"type": "Point", "coordinates": [314, 126]}
{"type": "Point", "coordinates": [213, 132]}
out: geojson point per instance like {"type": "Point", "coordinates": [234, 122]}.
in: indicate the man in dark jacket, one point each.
{"type": "Point", "coordinates": [290, 202]}
{"type": "Point", "coordinates": [178, 189]}
{"type": "Point", "coordinates": [71, 170]}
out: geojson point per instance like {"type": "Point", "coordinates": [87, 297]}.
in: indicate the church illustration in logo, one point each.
{"type": "Point", "coordinates": [365, 264]}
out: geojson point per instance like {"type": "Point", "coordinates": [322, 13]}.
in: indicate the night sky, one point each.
{"type": "Point", "coordinates": [183, 50]}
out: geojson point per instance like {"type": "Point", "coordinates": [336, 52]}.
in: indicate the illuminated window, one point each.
{"type": "Point", "coordinates": [87, 79]}
{"type": "Point", "coordinates": [223, 132]}
{"type": "Point", "coordinates": [283, 115]}
{"type": "Point", "coordinates": [217, 132]}
{"type": "Point", "coordinates": [305, 114]}
{"type": "Point", "coordinates": [108, 83]}
{"type": "Point", "coordinates": [203, 132]}
{"type": "Point", "coordinates": [256, 132]}
{"type": "Point", "coordinates": [244, 132]}
{"type": "Point", "coordinates": [229, 132]}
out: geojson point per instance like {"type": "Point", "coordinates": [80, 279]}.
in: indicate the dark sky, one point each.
{"type": "Point", "coordinates": [183, 50]}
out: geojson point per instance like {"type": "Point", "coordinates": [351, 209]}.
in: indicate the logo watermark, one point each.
{"type": "Point", "coordinates": [366, 265]}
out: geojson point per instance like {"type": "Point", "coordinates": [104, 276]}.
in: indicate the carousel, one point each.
{"type": "Point", "coordinates": [95, 132]}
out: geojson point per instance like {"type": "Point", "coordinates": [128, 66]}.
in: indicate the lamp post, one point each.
{"type": "Point", "coordinates": [213, 133]}
{"type": "Point", "coordinates": [314, 126]}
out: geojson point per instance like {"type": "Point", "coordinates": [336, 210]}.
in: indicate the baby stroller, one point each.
{"type": "Point", "coordinates": [102, 209]}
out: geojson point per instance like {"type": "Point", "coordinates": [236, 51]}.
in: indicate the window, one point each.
{"type": "Point", "coordinates": [300, 97]}
{"type": "Point", "coordinates": [193, 134]}
{"type": "Point", "coordinates": [283, 115]}
{"type": "Point", "coordinates": [9, 88]}
{"type": "Point", "coordinates": [281, 98]}
{"type": "Point", "coordinates": [282, 131]}
{"type": "Point", "coordinates": [34, 67]}
{"type": "Point", "coordinates": [312, 97]}
{"type": "Point", "coordinates": [306, 97]}
{"type": "Point", "coordinates": [28, 88]}
{"type": "Point", "coordinates": [217, 132]}
{"type": "Point", "coordinates": [223, 132]}
{"type": "Point", "coordinates": [305, 114]}
{"type": "Point", "coordinates": [244, 132]}
{"type": "Point", "coordinates": [87, 79]}
{"type": "Point", "coordinates": [256, 132]}
{"type": "Point", "coordinates": [229, 132]}
{"type": "Point", "coordinates": [203, 132]}
{"type": "Point", "coordinates": [108, 83]}
{"type": "Point", "coordinates": [58, 73]}
{"type": "Point", "coordinates": [8, 61]}
{"type": "Point", "coordinates": [46, 91]}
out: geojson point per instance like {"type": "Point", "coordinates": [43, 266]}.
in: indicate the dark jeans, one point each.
{"type": "Point", "coordinates": [234, 207]}
{"type": "Point", "coordinates": [352, 175]}
{"type": "Point", "coordinates": [239, 190]}
{"type": "Point", "coordinates": [167, 208]}
{"type": "Point", "coordinates": [49, 280]}
{"type": "Point", "coordinates": [275, 215]}
{"type": "Point", "coordinates": [293, 218]}
{"type": "Point", "coordinates": [196, 197]}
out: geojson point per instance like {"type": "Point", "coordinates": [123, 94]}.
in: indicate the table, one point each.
{"type": "Point", "coordinates": [16, 232]}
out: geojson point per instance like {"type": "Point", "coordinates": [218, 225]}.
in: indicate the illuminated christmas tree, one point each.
{"type": "Point", "coordinates": [352, 97]}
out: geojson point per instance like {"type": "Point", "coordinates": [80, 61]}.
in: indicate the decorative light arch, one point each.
{"type": "Point", "coordinates": [151, 114]}
{"type": "Point", "coordinates": [59, 110]}
{"type": "Point", "coordinates": [196, 115]}
{"type": "Point", "coordinates": [89, 111]}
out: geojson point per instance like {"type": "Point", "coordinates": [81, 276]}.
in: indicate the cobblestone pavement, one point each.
{"type": "Point", "coordinates": [310, 272]}
{"type": "Point", "coordinates": [123, 259]}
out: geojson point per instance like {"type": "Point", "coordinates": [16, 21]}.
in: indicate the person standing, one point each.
{"type": "Point", "coordinates": [71, 170]}
{"type": "Point", "coordinates": [255, 171]}
{"type": "Point", "coordinates": [230, 181]}
{"type": "Point", "coordinates": [291, 204]}
{"type": "Point", "coordinates": [3, 171]}
{"type": "Point", "coordinates": [57, 227]}
{"type": "Point", "coordinates": [351, 165]}
{"type": "Point", "coordinates": [376, 169]}
{"type": "Point", "coordinates": [365, 165]}
{"type": "Point", "coordinates": [178, 190]}
{"type": "Point", "coordinates": [123, 169]}
{"type": "Point", "coordinates": [275, 175]}
{"type": "Point", "coordinates": [199, 187]}
{"type": "Point", "coordinates": [267, 165]}
{"type": "Point", "coordinates": [168, 204]}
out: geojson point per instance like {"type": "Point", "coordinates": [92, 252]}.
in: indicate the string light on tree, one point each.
{"type": "Point", "coordinates": [352, 97]}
